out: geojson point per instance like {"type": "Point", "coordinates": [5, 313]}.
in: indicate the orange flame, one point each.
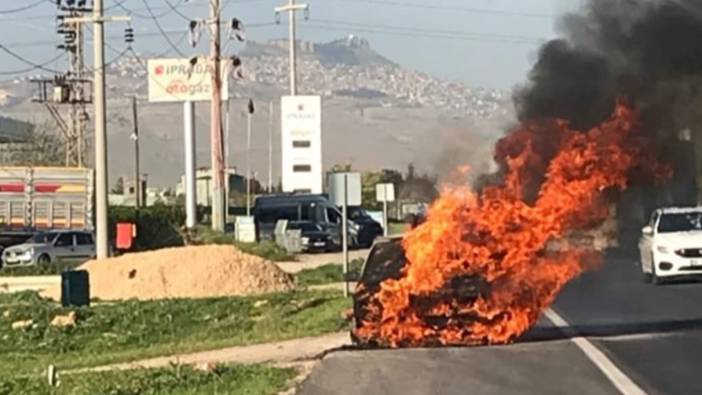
{"type": "Point", "coordinates": [495, 245]}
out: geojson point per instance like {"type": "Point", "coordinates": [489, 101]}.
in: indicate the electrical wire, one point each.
{"type": "Point", "coordinates": [426, 6]}
{"type": "Point", "coordinates": [25, 8]}
{"type": "Point", "coordinates": [417, 30]}
{"type": "Point", "coordinates": [171, 9]}
{"type": "Point", "coordinates": [34, 67]}
{"type": "Point", "coordinates": [163, 33]}
{"type": "Point", "coordinates": [174, 8]}
{"type": "Point", "coordinates": [28, 62]}
{"type": "Point", "coordinates": [417, 35]}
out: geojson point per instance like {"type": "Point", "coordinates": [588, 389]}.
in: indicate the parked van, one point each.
{"type": "Point", "coordinates": [268, 210]}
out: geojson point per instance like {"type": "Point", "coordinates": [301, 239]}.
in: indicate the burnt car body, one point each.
{"type": "Point", "coordinates": [386, 260]}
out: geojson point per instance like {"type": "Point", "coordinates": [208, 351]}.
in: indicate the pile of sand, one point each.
{"type": "Point", "coordinates": [186, 272]}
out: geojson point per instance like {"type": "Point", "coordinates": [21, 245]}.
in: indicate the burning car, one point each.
{"type": "Point", "coordinates": [484, 265]}
{"type": "Point", "coordinates": [386, 260]}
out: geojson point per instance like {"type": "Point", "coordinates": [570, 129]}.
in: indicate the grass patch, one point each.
{"type": "Point", "coordinates": [176, 380]}
{"type": "Point", "coordinates": [49, 269]}
{"type": "Point", "coordinates": [118, 332]}
{"type": "Point", "coordinates": [267, 249]}
{"type": "Point", "coordinates": [327, 274]}
{"type": "Point", "coordinates": [396, 228]}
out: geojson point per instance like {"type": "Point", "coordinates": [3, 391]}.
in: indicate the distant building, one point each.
{"type": "Point", "coordinates": [149, 196]}
{"type": "Point", "coordinates": [237, 183]}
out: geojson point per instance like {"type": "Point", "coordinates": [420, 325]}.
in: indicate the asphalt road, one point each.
{"type": "Point", "coordinates": [652, 334]}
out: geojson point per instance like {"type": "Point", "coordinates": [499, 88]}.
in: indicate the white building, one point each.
{"type": "Point", "coordinates": [301, 118]}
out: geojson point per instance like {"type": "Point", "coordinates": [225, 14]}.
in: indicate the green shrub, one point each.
{"type": "Point", "coordinates": [48, 269]}
{"type": "Point", "coordinates": [158, 226]}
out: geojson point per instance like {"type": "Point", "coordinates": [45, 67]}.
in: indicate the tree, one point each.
{"type": "Point", "coordinates": [43, 148]}
{"type": "Point", "coordinates": [369, 181]}
{"type": "Point", "coordinates": [341, 168]}
{"type": "Point", "coordinates": [118, 188]}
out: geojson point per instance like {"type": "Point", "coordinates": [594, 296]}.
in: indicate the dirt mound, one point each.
{"type": "Point", "coordinates": [185, 272]}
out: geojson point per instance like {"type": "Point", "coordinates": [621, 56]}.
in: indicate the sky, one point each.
{"type": "Point", "coordinates": [488, 43]}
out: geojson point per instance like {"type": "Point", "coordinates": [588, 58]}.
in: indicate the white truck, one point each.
{"type": "Point", "coordinates": [44, 198]}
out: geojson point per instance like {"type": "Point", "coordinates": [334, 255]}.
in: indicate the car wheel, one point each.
{"type": "Point", "coordinates": [44, 260]}
{"type": "Point", "coordinates": [645, 277]}
{"type": "Point", "coordinates": [655, 280]}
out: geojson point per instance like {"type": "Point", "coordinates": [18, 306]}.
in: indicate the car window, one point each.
{"type": "Point", "coordinates": [42, 238]}
{"type": "Point", "coordinates": [83, 239]}
{"type": "Point", "coordinates": [309, 227]}
{"type": "Point", "coordinates": [680, 222]}
{"type": "Point", "coordinates": [273, 214]}
{"type": "Point", "coordinates": [64, 240]}
{"type": "Point", "coordinates": [333, 216]}
{"type": "Point", "coordinates": [654, 219]}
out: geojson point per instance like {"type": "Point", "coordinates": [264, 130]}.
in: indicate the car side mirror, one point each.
{"type": "Point", "coordinates": [647, 231]}
{"type": "Point", "coordinates": [352, 277]}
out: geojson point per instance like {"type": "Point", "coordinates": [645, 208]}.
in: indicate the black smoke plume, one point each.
{"type": "Point", "coordinates": [648, 51]}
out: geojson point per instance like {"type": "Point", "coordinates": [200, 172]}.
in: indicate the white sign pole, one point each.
{"type": "Point", "coordinates": [345, 233]}
{"type": "Point", "coordinates": [248, 164]}
{"type": "Point", "coordinates": [190, 182]}
{"type": "Point", "coordinates": [385, 210]}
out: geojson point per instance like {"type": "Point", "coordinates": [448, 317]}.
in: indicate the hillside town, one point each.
{"type": "Point", "coordinates": [360, 74]}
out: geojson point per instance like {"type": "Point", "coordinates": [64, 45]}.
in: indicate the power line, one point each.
{"type": "Point", "coordinates": [33, 67]}
{"type": "Point", "coordinates": [165, 36]}
{"type": "Point", "coordinates": [25, 8]}
{"type": "Point", "coordinates": [452, 8]}
{"type": "Point", "coordinates": [26, 61]}
{"type": "Point", "coordinates": [421, 31]}
{"type": "Point", "coordinates": [174, 8]}
{"type": "Point", "coordinates": [171, 9]}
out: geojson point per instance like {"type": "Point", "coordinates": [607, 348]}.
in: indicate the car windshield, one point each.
{"type": "Point", "coordinates": [682, 222]}
{"type": "Point", "coordinates": [43, 238]}
{"type": "Point", "coordinates": [357, 212]}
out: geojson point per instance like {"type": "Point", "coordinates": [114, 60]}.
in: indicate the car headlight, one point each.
{"type": "Point", "coordinates": [663, 249]}
{"type": "Point", "coordinates": [305, 240]}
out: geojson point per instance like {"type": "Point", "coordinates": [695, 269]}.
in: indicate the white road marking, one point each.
{"type": "Point", "coordinates": [621, 381]}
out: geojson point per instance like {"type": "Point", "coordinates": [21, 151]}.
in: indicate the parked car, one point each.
{"type": "Point", "coordinates": [368, 228]}
{"type": "Point", "coordinates": [671, 244]}
{"type": "Point", "coordinates": [51, 246]}
{"type": "Point", "coordinates": [314, 238]}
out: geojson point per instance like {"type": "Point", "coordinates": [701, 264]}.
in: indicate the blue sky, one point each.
{"type": "Point", "coordinates": [452, 39]}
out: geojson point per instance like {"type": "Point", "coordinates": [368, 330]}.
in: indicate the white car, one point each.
{"type": "Point", "coordinates": [671, 244]}
{"type": "Point", "coordinates": [49, 247]}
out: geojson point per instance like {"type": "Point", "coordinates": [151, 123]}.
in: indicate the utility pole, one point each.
{"type": "Point", "coordinates": [270, 148]}
{"type": "Point", "coordinates": [190, 164]}
{"type": "Point", "coordinates": [71, 87]}
{"type": "Point", "coordinates": [101, 183]}
{"type": "Point", "coordinates": [249, 116]}
{"type": "Point", "coordinates": [291, 8]}
{"type": "Point", "coordinates": [137, 172]}
{"type": "Point", "coordinates": [218, 215]}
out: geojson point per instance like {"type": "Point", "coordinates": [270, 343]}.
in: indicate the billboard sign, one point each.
{"type": "Point", "coordinates": [385, 193]}
{"type": "Point", "coordinates": [348, 184]}
{"type": "Point", "coordinates": [301, 119]}
{"type": "Point", "coordinates": [176, 80]}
